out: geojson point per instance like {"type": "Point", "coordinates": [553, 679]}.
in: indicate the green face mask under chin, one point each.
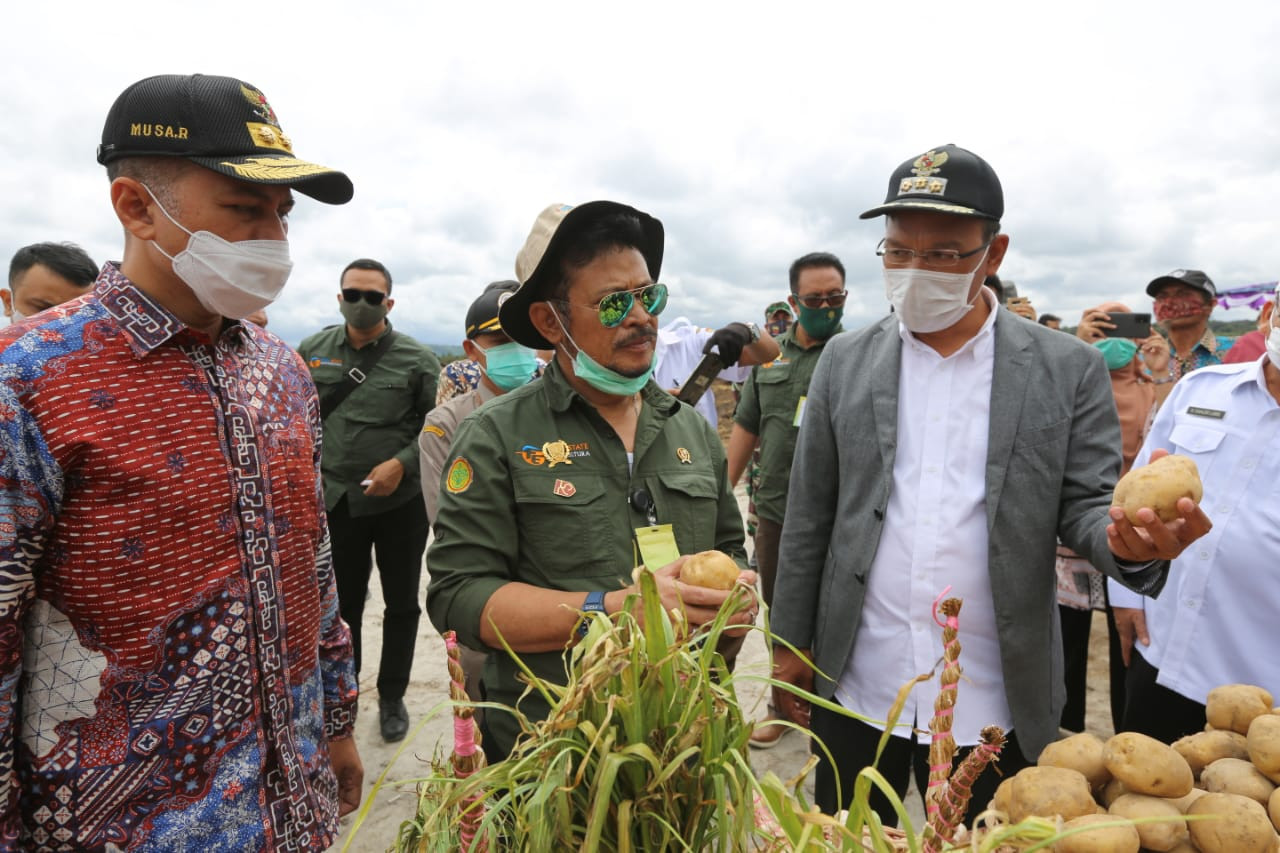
{"type": "Point", "coordinates": [820, 323]}
{"type": "Point", "coordinates": [602, 378]}
{"type": "Point", "coordinates": [362, 315]}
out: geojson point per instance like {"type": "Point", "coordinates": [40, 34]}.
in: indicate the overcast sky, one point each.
{"type": "Point", "coordinates": [1131, 138]}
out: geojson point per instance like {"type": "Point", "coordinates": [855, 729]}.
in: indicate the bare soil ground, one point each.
{"type": "Point", "coordinates": [398, 765]}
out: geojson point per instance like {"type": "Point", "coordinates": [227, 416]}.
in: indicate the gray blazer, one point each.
{"type": "Point", "coordinates": [1052, 461]}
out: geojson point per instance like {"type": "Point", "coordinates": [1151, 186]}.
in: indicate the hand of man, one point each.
{"type": "Point", "coordinates": [1093, 324]}
{"type": "Point", "coordinates": [1151, 538]}
{"type": "Point", "coordinates": [1131, 624]}
{"type": "Point", "coordinates": [350, 772]}
{"type": "Point", "coordinates": [796, 670]}
{"type": "Point", "coordinates": [1155, 355]}
{"type": "Point", "coordinates": [1023, 308]}
{"type": "Point", "coordinates": [384, 478]}
{"type": "Point", "coordinates": [729, 341]}
{"type": "Point", "coordinates": [700, 603]}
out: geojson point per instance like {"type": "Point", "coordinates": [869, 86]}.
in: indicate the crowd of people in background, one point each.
{"type": "Point", "coordinates": [186, 563]}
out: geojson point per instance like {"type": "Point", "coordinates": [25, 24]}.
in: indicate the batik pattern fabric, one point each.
{"type": "Point", "coordinates": [457, 378]}
{"type": "Point", "coordinates": [1209, 350]}
{"type": "Point", "coordinates": [172, 662]}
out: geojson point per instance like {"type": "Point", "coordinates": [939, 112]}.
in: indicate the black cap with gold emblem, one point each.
{"type": "Point", "coordinates": [482, 316]}
{"type": "Point", "coordinates": [220, 123]}
{"type": "Point", "coordinates": [946, 179]}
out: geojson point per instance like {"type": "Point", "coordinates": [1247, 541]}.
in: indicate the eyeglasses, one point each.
{"type": "Point", "coordinates": [373, 297]}
{"type": "Point", "coordinates": [940, 258]}
{"type": "Point", "coordinates": [817, 300]}
{"type": "Point", "coordinates": [615, 307]}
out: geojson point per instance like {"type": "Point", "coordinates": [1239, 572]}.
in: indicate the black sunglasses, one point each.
{"type": "Point", "coordinates": [373, 297]}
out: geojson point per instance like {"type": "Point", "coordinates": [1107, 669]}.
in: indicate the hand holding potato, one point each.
{"type": "Point", "coordinates": [1148, 524]}
{"type": "Point", "coordinates": [700, 603]}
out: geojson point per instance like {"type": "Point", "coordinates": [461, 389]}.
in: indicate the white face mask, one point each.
{"type": "Point", "coordinates": [929, 301]}
{"type": "Point", "coordinates": [1273, 341]}
{"type": "Point", "coordinates": [230, 279]}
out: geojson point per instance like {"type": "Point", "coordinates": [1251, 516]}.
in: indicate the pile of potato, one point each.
{"type": "Point", "coordinates": [1230, 770]}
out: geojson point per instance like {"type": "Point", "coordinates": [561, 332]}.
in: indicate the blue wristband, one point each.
{"type": "Point", "coordinates": [593, 604]}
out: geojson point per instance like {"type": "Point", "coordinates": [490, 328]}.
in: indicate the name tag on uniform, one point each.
{"type": "Point", "coordinates": [1216, 414]}
{"type": "Point", "coordinates": [799, 412]}
{"type": "Point", "coordinates": [657, 545]}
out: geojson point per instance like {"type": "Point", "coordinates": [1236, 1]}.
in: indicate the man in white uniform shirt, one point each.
{"type": "Point", "coordinates": [950, 444]}
{"type": "Point", "coordinates": [1215, 623]}
{"type": "Point", "coordinates": [681, 346]}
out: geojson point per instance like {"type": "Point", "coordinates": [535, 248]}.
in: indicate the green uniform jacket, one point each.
{"type": "Point", "coordinates": [767, 408]}
{"type": "Point", "coordinates": [379, 420]}
{"type": "Point", "coordinates": [510, 512]}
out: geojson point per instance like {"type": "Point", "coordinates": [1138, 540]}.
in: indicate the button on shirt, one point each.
{"type": "Point", "coordinates": [935, 535]}
{"type": "Point", "coordinates": [1215, 621]}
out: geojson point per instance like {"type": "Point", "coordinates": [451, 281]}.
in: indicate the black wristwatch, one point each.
{"type": "Point", "coordinates": [593, 604]}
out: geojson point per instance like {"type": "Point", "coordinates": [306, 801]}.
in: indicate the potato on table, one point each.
{"type": "Point", "coordinates": [1263, 745]}
{"type": "Point", "coordinates": [1165, 829]}
{"type": "Point", "coordinates": [1099, 837]}
{"type": "Point", "coordinates": [1049, 791]}
{"type": "Point", "coordinates": [1234, 706]}
{"type": "Point", "coordinates": [1237, 776]}
{"type": "Point", "coordinates": [1081, 752]}
{"type": "Point", "coordinates": [1147, 766]}
{"type": "Point", "coordinates": [1203, 748]}
{"type": "Point", "coordinates": [1242, 826]}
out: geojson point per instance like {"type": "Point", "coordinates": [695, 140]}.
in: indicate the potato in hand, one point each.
{"type": "Point", "coordinates": [710, 569]}
{"type": "Point", "coordinates": [1159, 486]}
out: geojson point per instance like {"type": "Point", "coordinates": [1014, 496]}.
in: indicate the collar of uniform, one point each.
{"type": "Point", "coordinates": [981, 344]}
{"type": "Point", "coordinates": [1209, 341]}
{"type": "Point", "coordinates": [347, 338]}
{"type": "Point", "coordinates": [145, 323]}
{"type": "Point", "coordinates": [788, 339]}
{"type": "Point", "coordinates": [560, 394]}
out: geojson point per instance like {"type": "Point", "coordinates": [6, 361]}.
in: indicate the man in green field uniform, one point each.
{"type": "Point", "coordinates": [770, 412]}
{"type": "Point", "coordinates": [376, 386]}
{"type": "Point", "coordinates": [555, 491]}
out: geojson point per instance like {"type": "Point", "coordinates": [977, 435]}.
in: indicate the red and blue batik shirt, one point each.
{"type": "Point", "coordinates": [172, 662]}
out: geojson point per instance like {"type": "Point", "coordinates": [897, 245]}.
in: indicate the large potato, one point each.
{"type": "Point", "coordinates": [1112, 791]}
{"type": "Point", "coordinates": [1102, 834]}
{"type": "Point", "coordinates": [1165, 829]}
{"type": "Point", "coordinates": [1273, 808]}
{"type": "Point", "coordinates": [1241, 825]}
{"type": "Point", "coordinates": [1147, 766]}
{"type": "Point", "coordinates": [1263, 745]}
{"type": "Point", "coordinates": [1159, 485]}
{"type": "Point", "coordinates": [1234, 706]}
{"type": "Point", "coordinates": [1082, 753]}
{"type": "Point", "coordinates": [1203, 748]}
{"type": "Point", "coordinates": [1002, 799]}
{"type": "Point", "coordinates": [710, 569]}
{"type": "Point", "coordinates": [1049, 791]}
{"type": "Point", "coordinates": [1237, 776]}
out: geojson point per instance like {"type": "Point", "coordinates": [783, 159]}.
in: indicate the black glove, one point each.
{"type": "Point", "coordinates": [729, 341]}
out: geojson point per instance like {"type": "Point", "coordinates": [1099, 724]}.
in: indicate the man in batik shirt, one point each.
{"type": "Point", "coordinates": [173, 671]}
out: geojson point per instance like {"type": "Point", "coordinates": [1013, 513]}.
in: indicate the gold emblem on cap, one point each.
{"type": "Point", "coordinates": [556, 453]}
{"type": "Point", "coordinates": [906, 186]}
{"type": "Point", "coordinates": [920, 183]}
{"type": "Point", "coordinates": [683, 455]}
{"type": "Point", "coordinates": [275, 169]}
{"type": "Point", "coordinates": [935, 186]}
{"type": "Point", "coordinates": [928, 164]}
{"type": "Point", "coordinates": [266, 136]}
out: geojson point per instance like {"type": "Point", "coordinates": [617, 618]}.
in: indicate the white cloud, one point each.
{"type": "Point", "coordinates": [1131, 138]}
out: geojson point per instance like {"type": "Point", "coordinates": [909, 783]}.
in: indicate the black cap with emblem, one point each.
{"type": "Point", "coordinates": [220, 123]}
{"type": "Point", "coordinates": [946, 179]}
{"type": "Point", "coordinates": [482, 316]}
{"type": "Point", "coordinates": [1191, 278]}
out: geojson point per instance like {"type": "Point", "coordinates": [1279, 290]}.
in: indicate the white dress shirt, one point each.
{"type": "Point", "coordinates": [679, 349]}
{"type": "Point", "coordinates": [1215, 621]}
{"type": "Point", "coordinates": [935, 536]}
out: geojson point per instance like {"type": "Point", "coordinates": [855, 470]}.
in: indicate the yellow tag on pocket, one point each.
{"type": "Point", "coordinates": [799, 412]}
{"type": "Point", "coordinates": [657, 545]}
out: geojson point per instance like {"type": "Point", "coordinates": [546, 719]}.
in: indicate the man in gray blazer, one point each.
{"type": "Point", "coordinates": [949, 445]}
